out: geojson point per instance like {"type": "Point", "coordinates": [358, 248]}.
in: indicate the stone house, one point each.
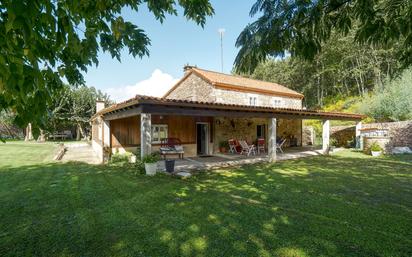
{"type": "Point", "coordinates": [203, 109]}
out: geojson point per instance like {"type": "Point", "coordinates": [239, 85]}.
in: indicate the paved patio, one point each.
{"type": "Point", "coordinates": [226, 160]}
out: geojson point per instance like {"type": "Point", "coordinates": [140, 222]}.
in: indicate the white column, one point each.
{"type": "Point", "coordinates": [325, 136]}
{"type": "Point", "coordinates": [145, 134]}
{"type": "Point", "coordinates": [272, 140]}
{"type": "Point", "coordinates": [359, 143]}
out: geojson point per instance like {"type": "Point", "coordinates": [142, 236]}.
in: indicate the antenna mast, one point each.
{"type": "Point", "coordinates": [221, 33]}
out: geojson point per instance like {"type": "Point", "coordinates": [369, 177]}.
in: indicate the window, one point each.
{"type": "Point", "coordinates": [159, 132]}
{"type": "Point", "coordinates": [252, 100]}
{"type": "Point", "coordinates": [261, 131]}
{"type": "Point", "coordinates": [277, 103]}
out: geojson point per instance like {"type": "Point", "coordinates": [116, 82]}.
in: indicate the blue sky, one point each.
{"type": "Point", "coordinates": [173, 44]}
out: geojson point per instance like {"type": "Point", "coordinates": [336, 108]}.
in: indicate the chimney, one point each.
{"type": "Point", "coordinates": [99, 105]}
{"type": "Point", "coordinates": [187, 68]}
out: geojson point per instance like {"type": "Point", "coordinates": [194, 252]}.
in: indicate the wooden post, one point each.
{"type": "Point", "coordinates": [325, 136]}
{"type": "Point", "coordinates": [145, 134]}
{"type": "Point", "coordinates": [272, 140]}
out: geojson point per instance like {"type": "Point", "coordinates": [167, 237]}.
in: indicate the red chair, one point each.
{"type": "Point", "coordinates": [261, 145]}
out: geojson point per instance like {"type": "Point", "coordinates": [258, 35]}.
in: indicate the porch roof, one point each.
{"type": "Point", "coordinates": [161, 106]}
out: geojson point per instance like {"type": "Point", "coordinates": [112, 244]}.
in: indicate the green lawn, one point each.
{"type": "Point", "coordinates": [345, 205]}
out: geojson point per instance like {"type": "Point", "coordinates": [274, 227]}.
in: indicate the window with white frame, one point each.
{"type": "Point", "coordinates": [159, 132]}
{"type": "Point", "coordinates": [277, 102]}
{"type": "Point", "coordinates": [253, 100]}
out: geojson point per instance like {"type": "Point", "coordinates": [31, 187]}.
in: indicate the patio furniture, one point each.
{"type": "Point", "coordinates": [261, 145]}
{"type": "Point", "coordinates": [233, 146]}
{"type": "Point", "coordinates": [247, 149]}
{"type": "Point", "coordinates": [171, 146]}
{"type": "Point", "coordinates": [280, 145]}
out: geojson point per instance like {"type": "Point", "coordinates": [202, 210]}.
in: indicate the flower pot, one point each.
{"type": "Point", "coordinates": [132, 159]}
{"type": "Point", "coordinates": [170, 166]}
{"type": "Point", "coordinates": [150, 168]}
{"type": "Point", "coordinates": [222, 149]}
{"type": "Point", "coordinates": [376, 153]}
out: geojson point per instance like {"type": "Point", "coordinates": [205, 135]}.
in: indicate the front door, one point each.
{"type": "Point", "coordinates": [202, 138]}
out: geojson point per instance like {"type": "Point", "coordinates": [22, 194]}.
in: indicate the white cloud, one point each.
{"type": "Point", "coordinates": [157, 85]}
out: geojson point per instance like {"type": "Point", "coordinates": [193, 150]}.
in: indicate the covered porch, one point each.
{"type": "Point", "coordinates": [221, 160]}
{"type": "Point", "coordinates": [202, 125]}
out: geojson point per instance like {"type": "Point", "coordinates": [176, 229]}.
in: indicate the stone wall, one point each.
{"type": "Point", "coordinates": [383, 142]}
{"type": "Point", "coordinates": [194, 88]}
{"type": "Point", "coordinates": [343, 135]}
{"type": "Point", "coordinates": [308, 135]}
{"type": "Point", "coordinates": [245, 129]}
{"type": "Point", "coordinates": [237, 97]}
{"type": "Point", "coordinates": [400, 133]}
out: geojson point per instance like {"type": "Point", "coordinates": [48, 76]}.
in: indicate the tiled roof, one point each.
{"type": "Point", "coordinates": [241, 83]}
{"type": "Point", "coordinates": [139, 99]}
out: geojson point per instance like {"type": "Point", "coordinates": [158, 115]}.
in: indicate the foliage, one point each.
{"type": "Point", "coordinates": [74, 107]}
{"type": "Point", "coordinates": [333, 142]}
{"type": "Point", "coordinates": [120, 158]}
{"type": "Point", "coordinates": [151, 158]}
{"type": "Point", "coordinates": [44, 42]}
{"type": "Point", "coordinates": [392, 102]}
{"type": "Point", "coordinates": [341, 70]}
{"type": "Point", "coordinates": [306, 207]}
{"type": "Point", "coordinates": [375, 147]}
{"type": "Point", "coordinates": [302, 27]}
{"type": "Point", "coordinates": [224, 144]}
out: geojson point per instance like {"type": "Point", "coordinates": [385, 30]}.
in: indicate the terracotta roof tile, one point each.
{"type": "Point", "coordinates": [139, 99]}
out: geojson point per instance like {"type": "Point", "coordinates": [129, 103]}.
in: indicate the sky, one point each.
{"type": "Point", "coordinates": [174, 43]}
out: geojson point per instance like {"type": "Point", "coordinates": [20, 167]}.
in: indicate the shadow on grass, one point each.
{"type": "Point", "coordinates": [330, 206]}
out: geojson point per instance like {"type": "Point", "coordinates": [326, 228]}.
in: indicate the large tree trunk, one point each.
{"type": "Point", "coordinates": [79, 132]}
{"type": "Point", "coordinates": [29, 134]}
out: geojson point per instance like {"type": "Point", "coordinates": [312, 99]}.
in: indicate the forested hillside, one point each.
{"type": "Point", "coordinates": [346, 76]}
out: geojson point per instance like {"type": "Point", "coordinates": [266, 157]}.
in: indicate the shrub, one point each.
{"type": "Point", "coordinates": [375, 147]}
{"type": "Point", "coordinates": [333, 142]}
{"type": "Point", "coordinates": [119, 158]}
{"type": "Point", "coordinates": [151, 158]}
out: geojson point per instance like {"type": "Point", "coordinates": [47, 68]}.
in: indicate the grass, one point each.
{"type": "Point", "coordinates": [348, 204]}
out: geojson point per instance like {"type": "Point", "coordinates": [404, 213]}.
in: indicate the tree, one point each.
{"type": "Point", "coordinates": [301, 28]}
{"type": "Point", "coordinates": [43, 42]}
{"type": "Point", "coordinates": [74, 107]}
{"type": "Point", "coordinates": [392, 102]}
{"type": "Point", "coordinates": [341, 70]}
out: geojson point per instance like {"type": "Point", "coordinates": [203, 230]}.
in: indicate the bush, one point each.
{"type": "Point", "coordinates": [151, 158]}
{"type": "Point", "coordinates": [333, 142]}
{"type": "Point", "coordinates": [119, 158]}
{"type": "Point", "coordinates": [375, 147]}
{"type": "Point", "coordinates": [392, 102]}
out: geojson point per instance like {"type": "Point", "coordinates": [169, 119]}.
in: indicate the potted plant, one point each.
{"type": "Point", "coordinates": [150, 163]}
{"type": "Point", "coordinates": [223, 146]}
{"type": "Point", "coordinates": [376, 149]}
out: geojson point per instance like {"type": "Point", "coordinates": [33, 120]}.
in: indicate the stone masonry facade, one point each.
{"type": "Point", "coordinates": [246, 129]}
{"type": "Point", "coordinates": [195, 88]}
{"type": "Point", "coordinates": [399, 133]}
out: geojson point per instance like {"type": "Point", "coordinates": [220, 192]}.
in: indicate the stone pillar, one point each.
{"type": "Point", "coordinates": [325, 136]}
{"type": "Point", "coordinates": [106, 133]}
{"type": "Point", "coordinates": [359, 143]}
{"type": "Point", "coordinates": [145, 134]}
{"type": "Point", "coordinates": [272, 140]}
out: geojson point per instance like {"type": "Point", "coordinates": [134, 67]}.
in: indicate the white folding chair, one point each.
{"type": "Point", "coordinates": [279, 146]}
{"type": "Point", "coordinates": [247, 149]}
